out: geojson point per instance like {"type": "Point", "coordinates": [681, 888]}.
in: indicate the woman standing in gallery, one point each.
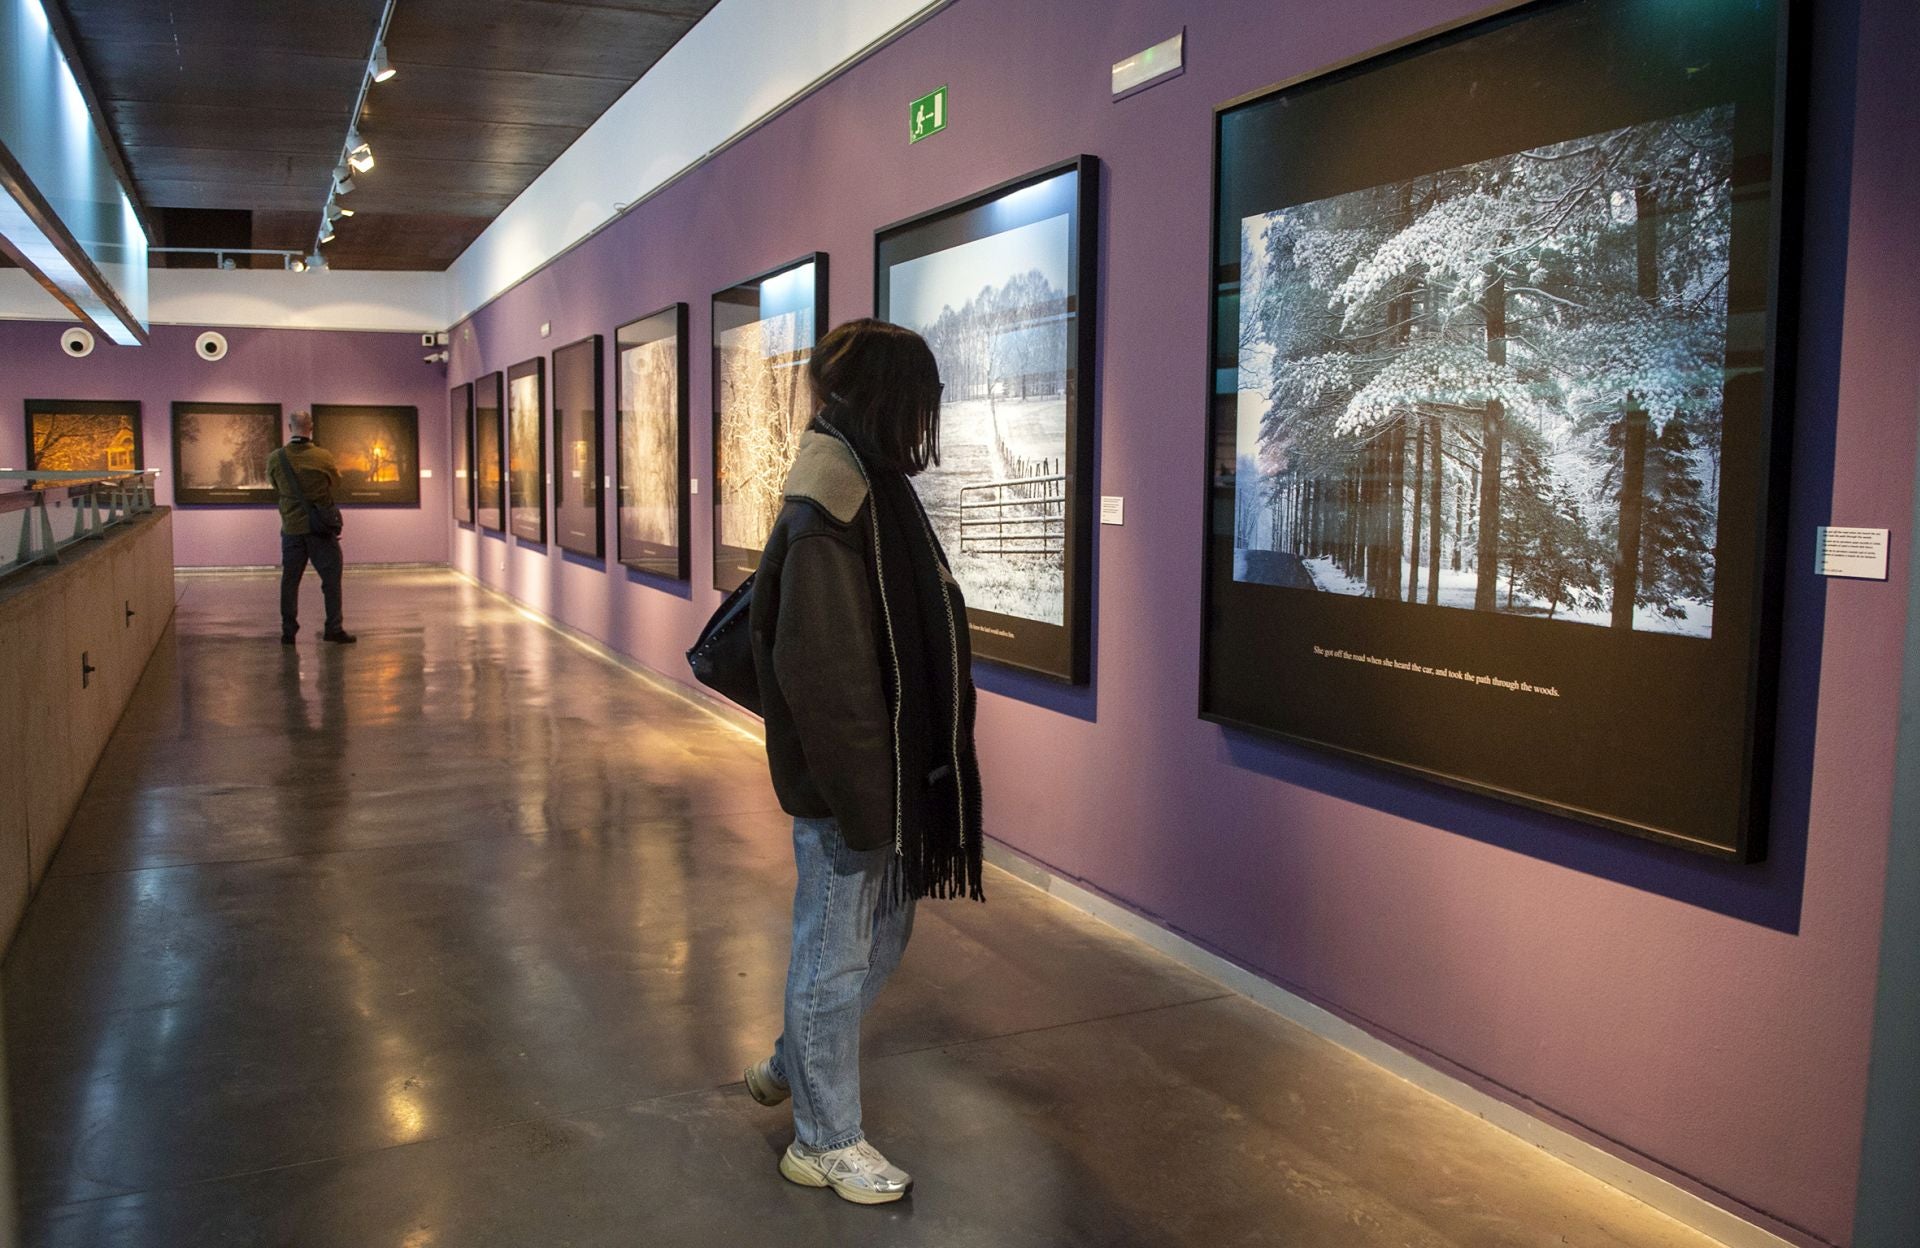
{"type": "Point", "coordinates": [860, 644]}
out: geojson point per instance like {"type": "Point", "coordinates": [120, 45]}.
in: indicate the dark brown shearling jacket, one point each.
{"type": "Point", "coordinates": [818, 652]}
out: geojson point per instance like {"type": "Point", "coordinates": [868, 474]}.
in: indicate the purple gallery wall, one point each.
{"type": "Point", "coordinates": [292, 367]}
{"type": "Point", "coordinates": [1709, 1021]}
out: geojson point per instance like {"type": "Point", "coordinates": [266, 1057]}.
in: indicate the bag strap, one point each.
{"type": "Point", "coordinates": [300, 491]}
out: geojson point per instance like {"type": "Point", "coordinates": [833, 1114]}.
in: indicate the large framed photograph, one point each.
{"type": "Point", "coordinates": [220, 453]}
{"type": "Point", "coordinates": [579, 499]}
{"type": "Point", "coordinates": [460, 419]}
{"type": "Point", "coordinates": [1497, 457]}
{"type": "Point", "coordinates": [489, 454]}
{"type": "Point", "coordinates": [527, 450]}
{"type": "Point", "coordinates": [654, 512]}
{"type": "Point", "coordinates": [1001, 286]}
{"type": "Point", "coordinates": [377, 450]}
{"type": "Point", "coordinates": [83, 435]}
{"type": "Point", "coordinates": [763, 335]}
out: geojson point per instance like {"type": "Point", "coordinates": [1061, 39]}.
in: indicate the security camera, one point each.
{"type": "Point", "coordinates": [435, 357]}
{"type": "Point", "coordinates": [210, 346]}
{"type": "Point", "coordinates": [76, 342]}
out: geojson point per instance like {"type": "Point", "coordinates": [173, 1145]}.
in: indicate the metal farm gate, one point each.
{"type": "Point", "coordinates": [1025, 515]}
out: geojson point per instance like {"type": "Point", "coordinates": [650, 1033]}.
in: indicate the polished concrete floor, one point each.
{"type": "Point", "coordinates": [462, 936]}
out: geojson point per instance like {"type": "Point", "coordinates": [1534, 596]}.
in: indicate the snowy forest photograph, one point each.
{"type": "Point", "coordinates": [83, 436]}
{"type": "Point", "coordinates": [997, 313]}
{"type": "Point", "coordinates": [220, 452]}
{"type": "Point", "coordinates": [1497, 387]}
{"type": "Point", "coordinates": [649, 449]}
{"type": "Point", "coordinates": [763, 337]}
{"type": "Point", "coordinates": [526, 453]}
{"type": "Point", "coordinates": [578, 481]}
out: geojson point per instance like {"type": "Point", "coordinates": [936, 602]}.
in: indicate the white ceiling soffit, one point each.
{"type": "Point", "coordinates": [263, 299]}
{"type": "Point", "coordinates": [743, 61]}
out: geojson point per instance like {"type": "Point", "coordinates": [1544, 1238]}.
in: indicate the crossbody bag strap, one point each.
{"type": "Point", "coordinates": [300, 492]}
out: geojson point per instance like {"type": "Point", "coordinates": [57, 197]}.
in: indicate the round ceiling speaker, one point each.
{"type": "Point", "coordinates": [76, 342]}
{"type": "Point", "coordinates": [210, 346]}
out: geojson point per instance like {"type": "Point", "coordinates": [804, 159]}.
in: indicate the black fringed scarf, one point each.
{"type": "Point", "coordinates": [924, 644]}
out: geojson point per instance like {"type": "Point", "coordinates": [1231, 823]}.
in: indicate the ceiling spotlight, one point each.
{"type": "Point", "coordinates": [335, 211]}
{"type": "Point", "coordinates": [316, 261]}
{"type": "Point", "coordinates": [342, 178]}
{"type": "Point", "coordinates": [345, 212]}
{"type": "Point", "coordinates": [227, 262]}
{"type": "Point", "coordinates": [326, 235]}
{"type": "Point", "coordinates": [382, 68]}
{"type": "Point", "coordinates": [361, 157]}
{"type": "Point", "coordinates": [297, 264]}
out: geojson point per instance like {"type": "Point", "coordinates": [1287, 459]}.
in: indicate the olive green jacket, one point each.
{"type": "Point", "coordinates": [318, 475]}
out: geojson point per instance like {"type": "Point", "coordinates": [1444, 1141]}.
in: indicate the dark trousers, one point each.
{"type": "Point", "coordinates": [296, 551]}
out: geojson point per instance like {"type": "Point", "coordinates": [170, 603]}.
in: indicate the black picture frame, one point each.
{"type": "Point", "coordinates": [735, 309]}
{"type": "Point", "coordinates": [526, 443]}
{"type": "Point", "coordinates": [1658, 722]}
{"type": "Point", "coordinates": [1032, 494]}
{"type": "Point", "coordinates": [490, 453]}
{"type": "Point", "coordinates": [377, 449]}
{"type": "Point", "coordinates": [670, 559]}
{"type": "Point", "coordinates": [579, 434]}
{"type": "Point", "coordinates": [108, 428]}
{"type": "Point", "coordinates": [460, 436]}
{"type": "Point", "coordinates": [252, 431]}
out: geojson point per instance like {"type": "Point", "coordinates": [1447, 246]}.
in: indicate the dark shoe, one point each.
{"type": "Point", "coordinates": [286, 639]}
{"type": "Point", "coordinates": [342, 636]}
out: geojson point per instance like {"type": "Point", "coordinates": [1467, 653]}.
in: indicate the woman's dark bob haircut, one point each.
{"type": "Point", "coordinates": [878, 384]}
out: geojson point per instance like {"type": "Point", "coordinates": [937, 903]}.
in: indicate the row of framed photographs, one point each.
{"type": "Point", "coordinates": [220, 449]}
{"type": "Point", "coordinates": [1000, 284]}
{"type": "Point", "coordinates": [1495, 457]}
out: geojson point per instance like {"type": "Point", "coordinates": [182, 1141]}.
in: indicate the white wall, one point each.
{"type": "Point", "coordinates": [264, 299]}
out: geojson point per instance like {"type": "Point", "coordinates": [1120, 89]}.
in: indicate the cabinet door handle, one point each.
{"type": "Point", "coordinates": [86, 670]}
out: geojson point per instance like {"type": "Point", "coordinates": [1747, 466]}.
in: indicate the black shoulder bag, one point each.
{"type": "Point", "coordinates": [722, 659]}
{"type": "Point", "coordinates": [324, 521]}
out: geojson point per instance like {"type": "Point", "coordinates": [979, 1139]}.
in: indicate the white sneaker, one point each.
{"type": "Point", "coordinates": [763, 1086]}
{"type": "Point", "coordinates": [857, 1172]}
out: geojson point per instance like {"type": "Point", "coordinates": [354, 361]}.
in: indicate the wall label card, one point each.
{"type": "Point", "coordinates": [1857, 553]}
{"type": "Point", "coordinates": [1113, 509]}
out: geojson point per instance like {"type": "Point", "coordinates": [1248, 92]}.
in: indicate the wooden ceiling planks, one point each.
{"type": "Point", "coordinates": [236, 104]}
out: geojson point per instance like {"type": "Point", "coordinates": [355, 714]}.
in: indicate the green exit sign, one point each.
{"type": "Point", "coordinates": [927, 115]}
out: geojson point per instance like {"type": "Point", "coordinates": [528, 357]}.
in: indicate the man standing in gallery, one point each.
{"type": "Point", "coordinates": [304, 475]}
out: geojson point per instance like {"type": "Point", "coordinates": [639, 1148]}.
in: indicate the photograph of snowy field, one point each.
{"type": "Point", "coordinates": [649, 389]}
{"type": "Point", "coordinates": [997, 314]}
{"type": "Point", "coordinates": [220, 452]}
{"type": "Point", "coordinates": [1497, 387]}
{"type": "Point", "coordinates": [527, 452]}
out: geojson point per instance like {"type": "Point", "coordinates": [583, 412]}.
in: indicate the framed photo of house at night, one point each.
{"type": "Point", "coordinates": [527, 450]}
{"type": "Point", "coordinates": [489, 455]}
{"type": "Point", "coordinates": [460, 420]}
{"type": "Point", "coordinates": [1496, 476]}
{"type": "Point", "coordinates": [763, 335]}
{"type": "Point", "coordinates": [220, 453]}
{"type": "Point", "coordinates": [579, 496]}
{"type": "Point", "coordinates": [653, 515]}
{"type": "Point", "coordinates": [1001, 285]}
{"type": "Point", "coordinates": [377, 450]}
{"type": "Point", "coordinates": [80, 435]}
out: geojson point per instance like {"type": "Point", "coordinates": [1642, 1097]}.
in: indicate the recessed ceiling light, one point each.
{"type": "Point", "coordinates": [382, 68]}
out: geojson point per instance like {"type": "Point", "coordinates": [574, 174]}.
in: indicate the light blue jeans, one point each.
{"type": "Point", "coordinates": [845, 945]}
